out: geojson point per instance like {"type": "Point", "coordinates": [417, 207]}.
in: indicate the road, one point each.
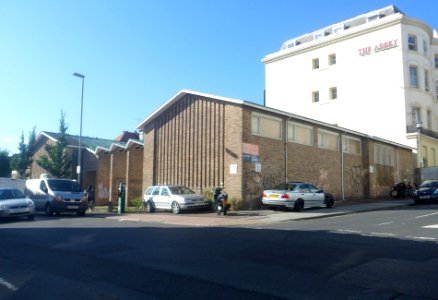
{"type": "Point", "coordinates": [389, 254]}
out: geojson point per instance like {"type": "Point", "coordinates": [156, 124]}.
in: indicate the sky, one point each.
{"type": "Point", "coordinates": [137, 54]}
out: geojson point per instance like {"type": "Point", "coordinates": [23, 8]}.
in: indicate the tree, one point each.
{"type": "Point", "coordinates": [57, 162]}
{"type": "Point", "coordinates": [23, 160]}
{"type": "Point", "coordinates": [5, 168]}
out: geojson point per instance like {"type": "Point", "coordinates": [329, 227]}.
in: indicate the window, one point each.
{"type": "Point", "coordinates": [416, 116]}
{"type": "Point", "coordinates": [384, 155]}
{"type": "Point", "coordinates": [412, 42]}
{"type": "Point", "coordinates": [333, 93]}
{"type": "Point", "coordinates": [436, 61]}
{"type": "Point", "coordinates": [425, 48]}
{"type": "Point", "coordinates": [299, 133]}
{"type": "Point", "coordinates": [413, 76]}
{"type": "Point", "coordinates": [318, 35]}
{"type": "Point", "coordinates": [426, 80]}
{"type": "Point", "coordinates": [373, 18]}
{"type": "Point", "coordinates": [351, 145]}
{"type": "Point", "coordinates": [339, 28]}
{"type": "Point", "coordinates": [436, 90]}
{"type": "Point", "coordinates": [315, 96]}
{"type": "Point", "coordinates": [315, 63]}
{"type": "Point", "coordinates": [266, 126]}
{"type": "Point", "coordinates": [432, 157]}
{"type": "Point", "coordinates": [332, 59]}
{"type": "Point", "coordinates": [429, 119]}
{"type": "Point", "coordinates": [328, 140]}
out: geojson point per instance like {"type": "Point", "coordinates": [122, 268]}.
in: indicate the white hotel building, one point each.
{"type": "Point", "coordinates": [376, 73]}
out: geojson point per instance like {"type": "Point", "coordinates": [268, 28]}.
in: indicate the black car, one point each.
{"type": "Point", "coordinates": [427, 192]}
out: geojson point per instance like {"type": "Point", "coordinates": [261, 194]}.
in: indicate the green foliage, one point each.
{"type": "Point", "coordinates": [57, 162]}
{"type": "Point", "coordinates": [136, 202]}
{"type": "Point", "coordinates": [23, 160]}
{"type": "Point", "coordinates": [5, 168]}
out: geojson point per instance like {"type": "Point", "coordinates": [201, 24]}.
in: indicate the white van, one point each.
{"type": "Point", "coordinates": [55, 196]}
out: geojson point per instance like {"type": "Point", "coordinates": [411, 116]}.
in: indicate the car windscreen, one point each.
{"type": "Point", "coordinates": [10, 194]}
{"type": "Point", "coordinates": [63, 185]}
{"type": "Point", "coordinates": [180, 190]}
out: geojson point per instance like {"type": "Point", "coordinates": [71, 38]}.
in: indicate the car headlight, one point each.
{"type": "Point", "coordinates": [30, 203]}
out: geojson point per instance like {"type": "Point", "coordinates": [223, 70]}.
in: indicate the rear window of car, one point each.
{"type": "Point", "coordinates": [286, 186]}
{"type": "Point", "coordinates": [180, 190]}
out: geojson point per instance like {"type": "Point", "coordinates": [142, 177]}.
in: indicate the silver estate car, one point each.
{"type": "Point", "coordinates": [297, 195]}
{"type": "Point", "coordinates": [172, 197]}
{"type": "Point", "coordinates": [14, 204]}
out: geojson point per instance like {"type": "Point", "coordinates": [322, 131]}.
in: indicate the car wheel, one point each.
{"type": "Point", "coordinates": [330, 202]}
{"type": "Point", "coordinates": [299, 205]}
{"type": "Point", "coordinates": [149, 207]}
{"type": "Point", "coordinates": [175, 207]}
{"type": "Point", "coordinates": [31, 217]}
{"type": "Point", "coordinates": [49, 210]}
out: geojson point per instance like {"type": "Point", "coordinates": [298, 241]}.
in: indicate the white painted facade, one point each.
{"type": "Point", "coordinates": [362, 80]}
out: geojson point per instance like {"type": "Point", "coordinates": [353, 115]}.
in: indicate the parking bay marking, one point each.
{"type": "Point", "coordinates": [423, 216]}
{"type": "Point", "coordinates": [8, 285]}
{"type": "Point", "coordinates": [431, 226]}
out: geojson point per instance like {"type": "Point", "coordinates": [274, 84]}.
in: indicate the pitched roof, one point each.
{"type": "Point", "coordinates": [87, 142]}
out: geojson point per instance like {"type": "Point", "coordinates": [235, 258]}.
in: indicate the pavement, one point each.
{"type": "Point", "coordinates": [254, 217]}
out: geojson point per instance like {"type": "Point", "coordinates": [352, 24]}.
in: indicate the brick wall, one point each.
{"type": "Point", "coordinates": [134, 173]}
{"type": "Point", "coordinates": [198, 142]}
{"type": "Point", "coordinates": [103, 178]}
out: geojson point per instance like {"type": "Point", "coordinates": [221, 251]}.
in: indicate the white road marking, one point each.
{"type": "Point", "coordinates": [423, 216]}
{"type": "Point", "coordinates": [349, 231]}
{"type": "Point", "coordinates": [8, 285]}
{"type": "Point", "coordinates": [386, 223]}
{"type": "Point", "coordinates": [421, 238]}
{"type": "Point", "coordinates": [382, 234]}
{"type": "Point", "coordinates": [431, 226]}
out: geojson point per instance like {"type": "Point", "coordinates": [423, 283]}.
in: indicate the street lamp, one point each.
{"type": "Point", "coordinates": [419, 156]}
{"type": "Point", "coordinates": [79, 167]}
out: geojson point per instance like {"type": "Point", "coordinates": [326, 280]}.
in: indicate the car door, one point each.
{"type": "Point", "coordinates": [40, 197]}
{"type": "Point", "coordinates": [165, 197]}
{"type": "Point", "coordinates": [304, 193]}
{"type": "Point", "coordinates": [316, 196]}
{"type": "Point", "coordinates": [156, 197]}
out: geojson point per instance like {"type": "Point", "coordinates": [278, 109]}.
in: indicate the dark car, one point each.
{"type": "Point", "coordinates": [427, 192]}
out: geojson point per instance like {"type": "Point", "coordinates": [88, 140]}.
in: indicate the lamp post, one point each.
{"type": "Point", "coordinates": [79, 167]}
{"type": "Point", "coordinates": [419, 156]}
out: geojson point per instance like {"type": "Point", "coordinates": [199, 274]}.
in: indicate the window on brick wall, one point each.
{"type": "Point", "coordinates": [266, 126]}
{"type": "Point", "coordinates": [384, 155]}
{"type": "Point", "coordinates": [351, 145]}
{"type": "Point", "coordinates": [299, 133]}
{"type": "Point", "coordinates": [328, 140]}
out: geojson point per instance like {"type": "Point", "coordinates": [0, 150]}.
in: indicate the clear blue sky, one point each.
{"type": "Point", "coordinates": [137, 54]}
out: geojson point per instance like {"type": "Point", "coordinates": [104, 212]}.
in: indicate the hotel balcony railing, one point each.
{"type": "Point", "coordinates": [423, 131]}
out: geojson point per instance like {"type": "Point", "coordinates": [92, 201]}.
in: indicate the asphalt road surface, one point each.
{"type": "Point", "coordinates": [391, 254]}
